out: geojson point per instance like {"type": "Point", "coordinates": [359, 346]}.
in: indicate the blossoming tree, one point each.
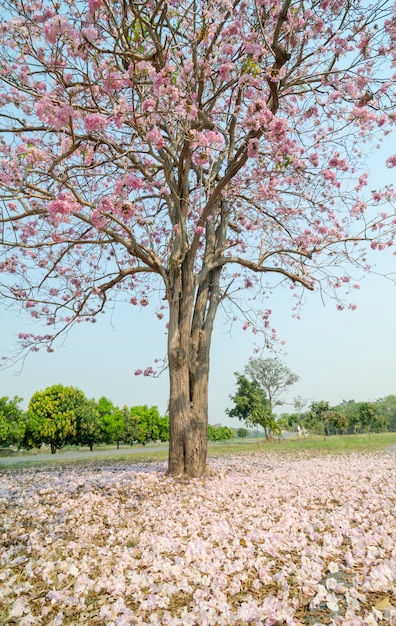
{"type": "Point", "coordinates": [198, 148]}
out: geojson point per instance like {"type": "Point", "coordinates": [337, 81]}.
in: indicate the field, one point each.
{"type": "Point", "coordinates": [288, 533]}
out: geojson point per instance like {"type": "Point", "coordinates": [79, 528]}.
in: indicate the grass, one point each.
{"type": "Point", "coordinates": [330, 445]}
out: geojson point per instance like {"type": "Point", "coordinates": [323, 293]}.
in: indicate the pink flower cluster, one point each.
{"type": "Point", "coordinates": [65, 204]}
{"type": "Point", "coordinates": [258, 542]}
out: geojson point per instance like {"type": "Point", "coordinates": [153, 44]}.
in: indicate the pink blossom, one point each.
{"type": "Point", "coordinates": [253, 149]}
{"type": "Point", "coordinates": [94, 5]}
{"type": "Point", "coordinates": [94, 121]}
{"type": "Point", "coordinates": [391, 161]}
{"type": "Point", "coordinates": [314, 158]}
{"type": "Point", "coordinates": [225, 71]}
{"type": "Point", "coordinates": [56, 27]}
{"type": "Point", "coordinates": [64, 205]}
{"type": "Point", "coordinates": [156, 138]}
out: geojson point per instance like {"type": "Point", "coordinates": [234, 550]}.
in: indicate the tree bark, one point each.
{"type": "Point", "coordinates": [190, 330]}
{"type": "Point", "coordinates": [188, 411]}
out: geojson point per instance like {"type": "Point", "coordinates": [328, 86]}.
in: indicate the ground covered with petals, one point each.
{"type": "Point", "coordinates": [264, 539]}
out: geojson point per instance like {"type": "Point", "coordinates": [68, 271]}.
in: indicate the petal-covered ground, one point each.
{"type": "Point", "coordinates": [264, 539]}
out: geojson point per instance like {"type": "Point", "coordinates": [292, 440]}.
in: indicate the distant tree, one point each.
{"type": "Point", "coordinates": [316, 418]}
{"type": "Point", "coordinates": [367, 418]}
{"type": "Point", "coordinates": [89, 423]}
{"type": "Point", "coordinates": [387, 409]}
{"type": "Point", "coordinates": [219, 433]}
{"type": "Point", "coordinates": [243, 433]}
{"type": "Point", "coordinates": [251, 400]}
{"type": "Point", "coordinates": [12, 421]}
{"type": "Point", "coordinates": [263, 416]}
{"type": "Point", "coordinates": [273, 377]}
{"type": "Point", "coordinates": [52, 416]}
{"type": "Point", "coordinates": [144, 424]}
{"type": "Point", "coordinates": [112, 421]}
{"type": "Point", "coordinates": [131, 420]}
{"type": "Point", "coordinates": [248, 397]}
{"type": "Point", "coordinates": [163, 428]}
{"type": "Point", "coordinates": [337, 421]}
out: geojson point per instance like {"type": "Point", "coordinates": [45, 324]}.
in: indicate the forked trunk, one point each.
{"type": "Point", "coordinates": [192, 310]}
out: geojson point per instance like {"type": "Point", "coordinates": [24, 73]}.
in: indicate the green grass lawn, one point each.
{"type": "Point", "coordinates": [313, 444]}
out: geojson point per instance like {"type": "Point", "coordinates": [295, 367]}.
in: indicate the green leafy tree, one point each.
{"type": "Point", "coordinates": [144, 424]}
{"type": "Point", "coordinates": [337, 421]}
{"type": "Point", "coordinates": [273, 377]}
{"type": "Point", "coordinates": [131, 421]}
{"type": "Point", "coordinates": [52, 416]}
{"type": "Point", "coordinates": [367, 418]}
{"type": "Point", "coordinates": [387, 409]}
{"type": "Point", "coordinates": [243, 433]}
{"type": "Point", "coordinates": [112, 421]}
{"type": "Point", "coordinates": [316, 418]}
{"type": "Point", "coordinates": [12, 421]}
{"type": "Point", "coordinates": [251, 404]}
{"type": "Point", "coordinates": [219, 433]}
{"type": "Point", "coordinates": [89, 423]}
{"type": "Point", "coordinates": [262, 416]}
{"type": "Point", "coordinates": [248, 397]}
{"type": "Point", "coordinates": [163, 428]}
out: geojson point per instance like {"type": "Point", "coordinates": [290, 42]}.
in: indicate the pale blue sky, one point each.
{"type": "Point", "coordinates": [338, 355]}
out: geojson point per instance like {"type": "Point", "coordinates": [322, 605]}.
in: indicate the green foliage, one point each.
{"type": "Point", "coordinates": [219, 433]}
{"type": "Point", "coordinates": [256, 396]}
{"type": "Point", "coordinates": [89, 423]}
{"type": "Point", "coordinates": [12, 421]}
{"type": "Point", "coordinates": [52, 417]}
{"type": "Point", "coordinates": [111, 421]}
{"type": "Point", "coordinates": [387, 409]}
{"type": "Point", "coordinates": [273, 377]}
{"type": "Point", "coordinates": [163, 428]}
{"type": "Point", "coordinates": [248, 398]}
{"type": "Point", "coordinates": [142, 424]}
{"type": "Point", "coordinates": [242, 433]}
{"type": "Point", "coordinates": [367, 418]}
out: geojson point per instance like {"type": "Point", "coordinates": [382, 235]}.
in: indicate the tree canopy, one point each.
{"type": "Point", "coordinates": [185, 153]}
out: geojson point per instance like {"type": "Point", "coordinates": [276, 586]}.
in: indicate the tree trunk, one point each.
{"type": "Point", "coordinates": [188, 413]}
{"type": "Point", "coordinates": [188, 359]}
{"type": "Point", "coordinates": [53, 447]}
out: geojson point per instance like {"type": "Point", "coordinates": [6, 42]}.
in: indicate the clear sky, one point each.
{"type": "Point", "coordinates": [338, 355]}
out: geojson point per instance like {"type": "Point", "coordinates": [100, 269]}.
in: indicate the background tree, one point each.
{"type": "Point", "coordinates": [145, 424]}
{"type": "Point", "coordinates": [219, 433]}
{"type": "Point", "coordinates": [367, 418]}
{"type": "Point", "coordinates": [248, 398]}
{"type": "Point", "coordinates": [112, 421]}
{"type": "Point", "coordinates": [316, 418]}
{"type": "Point", "coordinates": [163, 428]}
{"type": "Point", "coordinates": [89, 423]}
{"type": "Point", "coordinates": [52, 416]}
{"type": "Point", "coordinates": [12, 421]}
{"type": "Point", "coordinates": [387, 408]}
{"type": "Point", "coordinates": [338, 422]}
{"type": "Point", "coordinates": [273, 377]}
{"type": "Point", "coordinates": [256, 397]}
{"type": "Point", "coordinates": [196, 149]}
{"type": "Point", "coordinates": [243, 433]}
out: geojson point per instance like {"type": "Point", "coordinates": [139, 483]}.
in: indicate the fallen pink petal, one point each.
{"type": "Point", "coordinates": [265, 538]}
